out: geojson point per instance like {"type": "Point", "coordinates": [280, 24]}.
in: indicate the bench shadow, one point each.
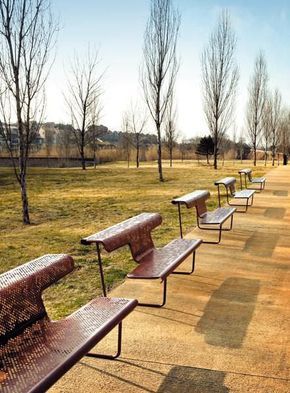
{"type": "Point", "coordinates": [229, 312]}
{"type": "Point", "coordinates": [275, 212]}
{"type": "Point", "coordinates": [280, 193]}
{"type": "Point", "coordinates": [182, 379]}
{"type": "Point", "coordinates": [261, 244]}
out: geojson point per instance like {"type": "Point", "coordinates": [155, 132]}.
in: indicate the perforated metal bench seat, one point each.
{"type": "Point", "coordinates": [254, 180]}
{"type": "Point", "coordinates": [35, 351]}
{"type": "Point", "coordinates": [205, 219]}
{"type": "Point", "coordinates": [218, 216]}
{"type": "Point", "coordinates": [244, 194]}
{"type": "Point", "coordinates": [258, 180]}
{"type": "Point", "coordinates": [159, 263]}
{"type": "Point", "coordinates": [230, 185]}
{"type": "Point", "coordinates": [152, 263]}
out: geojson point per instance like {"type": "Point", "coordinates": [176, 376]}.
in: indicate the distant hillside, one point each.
{"type": "Point", "coordinates": [106, 135]}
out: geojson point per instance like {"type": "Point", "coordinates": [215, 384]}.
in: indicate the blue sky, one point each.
{"type": "Point", "coordinates": [116, 28]}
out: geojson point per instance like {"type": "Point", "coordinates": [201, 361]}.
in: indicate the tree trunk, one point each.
{"type": "Point", "coordinates": [159, 153]}
{"type": "Point", "coordinates": [25, 209]}
{"type": "Point", "coordinates": [83, 161]}
{"type": "Point", "coordinates": [215, 156]}
{"type": "Point", "coordinates": [170, 156]}
{"type": "Point", "coordinates": [273, 158]}
{"type": "Point", "coordinates": [95, 160]}
{"type": "Point", "coordinates": [255, 156]}
{"type": "Point", "coordinates": [137, 155]}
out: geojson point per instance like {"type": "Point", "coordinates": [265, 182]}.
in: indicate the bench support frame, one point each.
{"type": "Point", "coordinates": [249, 201]}
{"type": "Point", "coordinates": [164, 294]}
{"type": "Point", "coordinates": [260, 189]}
{"type": "Point", "coordinates": [110, 357]}
{"type": "Point", "coordinates": [100, 263]}
{"type": "Point", "coordinates": [220, 229]}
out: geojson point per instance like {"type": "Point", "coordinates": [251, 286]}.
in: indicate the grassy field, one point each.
{"type": "Point", "coordinates": [68, 204]}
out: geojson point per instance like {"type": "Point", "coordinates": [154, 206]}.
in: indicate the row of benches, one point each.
{"type": "Point", "coordinates": [35, 351]}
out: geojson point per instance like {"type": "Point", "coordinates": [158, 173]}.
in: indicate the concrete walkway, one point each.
{"type": "Point", "coordinates": [223, 329]}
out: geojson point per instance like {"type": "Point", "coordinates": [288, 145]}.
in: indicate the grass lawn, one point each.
{"type": "Point", "coordinates": [68, 204]}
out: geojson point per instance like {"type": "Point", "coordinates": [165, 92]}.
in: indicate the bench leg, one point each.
{"type": "Point", "coordinates": [220, 235]}
{"type": "Point", "coordinates": [245, 206]}
{"type": "Point", "coordinates": [192, 268]}
{"type": "Point", "coordinates": [220, 229]}
{"type": "Point", "coordinates": [180, 222]}
{"type": "Point", "coordinates": [101, 271]}
{"type": "Point", "coordinates": [163, 301]}
{"type": "Point", "coordinates": [110, 357]}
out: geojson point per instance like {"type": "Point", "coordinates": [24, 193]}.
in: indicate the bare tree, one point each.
{"type": "Point", "coordinates": [126, 139]}
{"type": "Point", "coordinates": [83, 92]}
{"type": "Point", "coordinates": [94, 132]}
{"type": "Point", "coordinates": [137, 124]}
{"type": "Point", "coordinates": [27, 33]}
{"type": "Point", "coordinates": [171, 133]}
{"type": "Point", "coordinates": [285, 136]}
{"type": "Point", "coordinates": [64, 142]}
{"type": "Point", "coordinates": [160, 64]}
{"type": "Point", "coordinates": [266, 128]}
{"type": "Point", "coordinates": [220, 77]}
{"type": "Point", "coordinates": [275, 121]}
{"type": "Point", "coordinates": [49, 137]}
{"type": "Point", "coordinates": [256, 102]}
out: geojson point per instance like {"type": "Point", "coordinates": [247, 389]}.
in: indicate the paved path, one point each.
{"type": "Point", "coordinates": [224, 329]}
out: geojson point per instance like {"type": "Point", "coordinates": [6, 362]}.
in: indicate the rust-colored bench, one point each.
{"type": "Point", "coordinates": [253, 180]}
{"type": "Point", "coordinates": [35, 351]}
{"type": "Point", "coordinates": [230, 185]}
{"type": "Point", "coordinates": [208, 220]}
{"type": "Point", "coordinates": [152, 263]}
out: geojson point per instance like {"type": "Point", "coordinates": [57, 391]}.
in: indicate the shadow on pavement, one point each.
{"type": "Point", "coordinates": [261, 244]}
{"type": "Point", "coordinates": [275, 212]}
{"type": "Point", "coordinates": [182, 379]}
{"type": "Point", "coordinates": [229, 312]}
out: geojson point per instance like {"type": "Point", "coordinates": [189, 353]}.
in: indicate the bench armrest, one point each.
{"type": "Point", "coordinates": [192, 199]}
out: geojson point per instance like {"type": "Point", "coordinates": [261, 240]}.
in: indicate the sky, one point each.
{"type": "Point", "coordinates": [116, 28]}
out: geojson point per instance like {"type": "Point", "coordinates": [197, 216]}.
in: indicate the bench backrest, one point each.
{"type": "Point", "coordinates": [21, 304]}
{"type": "Point", "coordinates": [229, 183]}
{"type": "Point", "coordinates": [247, 172]}
{"type": "Point", "coordinates": [196, 198]}
{"type": "Point", "coordinates": [135, 232]}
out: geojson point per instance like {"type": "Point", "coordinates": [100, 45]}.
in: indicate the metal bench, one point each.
{"type": "Point", "coordinates": [35, 351]}
{"type": "Point", "coordinates": [248, 177]}
{"type": "Point", "coordinates": [206, 220]}
{"type": "Point", "coordinates": [152, 263]}
{"type": "Point", "coordinates": [230, 185]}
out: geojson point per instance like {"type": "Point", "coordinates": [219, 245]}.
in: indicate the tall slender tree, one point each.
{"type": "Point", "coordinates": [266, 128]}
{"type": "Point", "coordinates": [160, 65]}
{"type": "Point", "coordinates": [256, 102]}
{"type": "Point", "coordinates": [219, 78]}
{"type": "Point", "coordinates": [171, 133]}
{"type": "Point", "coordinates": [27, 35]}
{"type": "Point", "coordinates": [275, 122]}
{"type": "Point", "coordinates": [83, 92]}
{"type": "Point", "coordinates": [137, 123]}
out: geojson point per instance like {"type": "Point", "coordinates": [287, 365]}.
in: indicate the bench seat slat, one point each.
{"type": "Point", "coordinates": [244, 194]}
{"type": "Point", "coordinates": [159, 263]}
{"type": "Point", "coordinates": [217, 216]}
{"type": "Point", "coordinates": [258, 180]}
{"type": "Point", "coordinates": [34, 361]}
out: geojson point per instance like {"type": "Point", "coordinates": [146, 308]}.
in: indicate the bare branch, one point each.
{"type": "Point", "coordinates": [160, 66]}
{"type": "Point", "coordinates": [219, 78]}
